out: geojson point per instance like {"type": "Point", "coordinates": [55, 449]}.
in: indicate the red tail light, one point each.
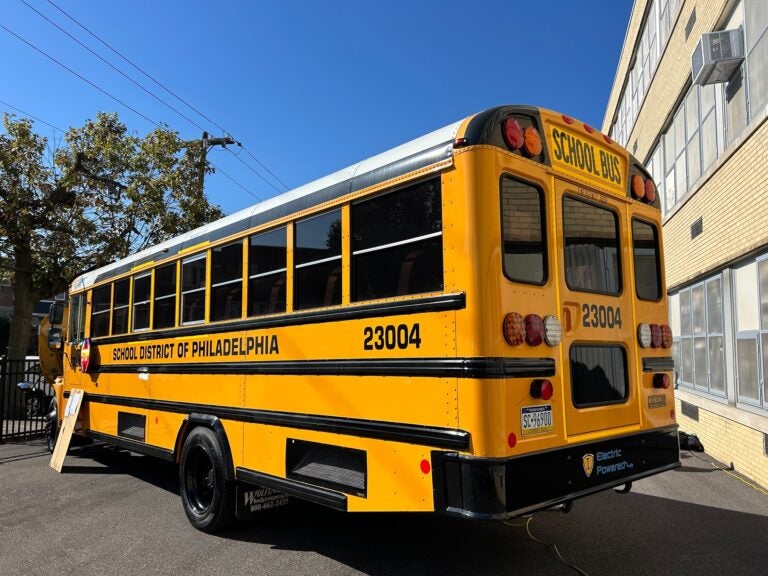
{"type": "Point", "coordinates": [650, 191]}
{"type": "Point", "coordinates": [655, 336]}
{"type": "Point", "coordinates": [542, 389]}
{"type": "Point", "coordinates": [513, 134]}
{"type": "Point", "coordinates": [534, 330]}
{"type": "Point", "coordinates": [661, 381]}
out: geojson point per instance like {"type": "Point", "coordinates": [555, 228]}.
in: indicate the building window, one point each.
{"type": "Point", "coordinates": [193, 289]}
{"type": "Point", "coordinates": [164, 315]}
{"type": "Point", "coordinates": [317, 261]}
{"type": "Point", "coordinates": [397, 244]}
{"type": "Point", "coordinates": [650, 43]}
{"type": "Point", "coordinates": [142, 285]}
{"type": "Point", "coordinates": [267, 266]}
{"type": "Point", "coordinates": [227, 282]}
{"type": "Point", "coordinates": [690, 145]}
{"type": "Point", "coordinates": [696, 318]}
{"type": "Point", "coordinates": [751, 310]}
{"type": "Point", "coordinates": [756, 18]}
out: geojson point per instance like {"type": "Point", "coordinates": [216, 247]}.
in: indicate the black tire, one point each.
{"type": "Point", "coordinates": [52, 425]}
{"type": "Point", "coordinates": [208, 497]}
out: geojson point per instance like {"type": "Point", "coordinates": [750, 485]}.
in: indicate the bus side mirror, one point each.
{"type": "Point", "coordinates": [54, 339]}
{"type": "Point", "coordinates": [56, 313]}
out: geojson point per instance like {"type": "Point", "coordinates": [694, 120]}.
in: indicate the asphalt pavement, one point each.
{"type": "Point", "coordinates": [114, 512]}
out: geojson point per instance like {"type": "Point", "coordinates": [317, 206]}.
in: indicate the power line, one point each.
{"type": "Point", "coordinates": [30, 116]}
{"type": "Point", "coordinates": [252, 169]}
{"type": "Point", "coordinates": [83, 78]}
{"type": "Point", "coordinates": [235, 181]}
{"type": "Point", "coordinates": [265, 168]}
{"type": "Point", "coordinates": [115, 68]}
{"type": "Point", "coordinates": [179, 98]}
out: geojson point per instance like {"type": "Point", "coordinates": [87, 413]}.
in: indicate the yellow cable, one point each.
{"type": "Point", "coordinates": [553, 547]}
{"type": "Point", "coordinates": [753, 486]}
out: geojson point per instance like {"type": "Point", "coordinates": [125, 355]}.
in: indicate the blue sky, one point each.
{"type": "Point", "coordinates": [308, 87]}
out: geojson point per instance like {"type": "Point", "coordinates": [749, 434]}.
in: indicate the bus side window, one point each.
{"type": "Point", "coordinates": [397, 244]}
{"type": "Point", "coordinates": [100, 311]}
{"type": "Point", "coordinates": [267, 263]}
{"type": "Point", "coordinates": [317, 256]}
{"type": "Point", "coordinates": [76, 332]}
{"type": "Point", "coordinates": [227, 282]}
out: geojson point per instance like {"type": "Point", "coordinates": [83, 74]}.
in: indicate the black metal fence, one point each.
{"type": "Point", "coordinates": [25, 398]}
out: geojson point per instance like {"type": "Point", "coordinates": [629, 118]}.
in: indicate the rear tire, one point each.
{"type": "Point", "coordinates": [208, 497]}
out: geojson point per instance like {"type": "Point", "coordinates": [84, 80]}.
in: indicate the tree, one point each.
{"type": "Point", "coordinates": [101, 196]}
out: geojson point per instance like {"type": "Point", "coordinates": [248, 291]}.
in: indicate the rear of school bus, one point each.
{"type": "Point", "coordinates": [565, 296]}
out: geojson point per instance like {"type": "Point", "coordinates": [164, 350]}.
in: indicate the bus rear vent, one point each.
{"type": "Point", "coordinates": [131, 425]}
{"type": "Point", "coordinates": [333, 467]}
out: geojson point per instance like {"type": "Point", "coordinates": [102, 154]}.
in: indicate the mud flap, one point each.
{"type": "Point", "coordinates": [254, 499]}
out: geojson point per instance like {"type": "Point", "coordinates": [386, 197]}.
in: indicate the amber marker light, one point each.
{"type": "Point", "coordinates": [666, 336]}
{"type": "Point", "coordinates": [514, 329]}
{"type": "Point", "coordinates": [638, 187]}
{"type": "Point", "coordinates": [532, 145]}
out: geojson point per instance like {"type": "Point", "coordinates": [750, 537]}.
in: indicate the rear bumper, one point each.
{"type": "Point", "coordinates": [503, 488]}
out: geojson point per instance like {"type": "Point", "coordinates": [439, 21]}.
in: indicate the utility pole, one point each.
{"type": "Point", "coordinates": [209, 143]}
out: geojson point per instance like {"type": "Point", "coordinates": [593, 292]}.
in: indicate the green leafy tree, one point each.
{"type": "Point", "coordinates": [100, 196]}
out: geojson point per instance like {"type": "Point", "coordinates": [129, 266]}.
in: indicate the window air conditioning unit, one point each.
{"type": "Point", "coordinates": [717, 56]}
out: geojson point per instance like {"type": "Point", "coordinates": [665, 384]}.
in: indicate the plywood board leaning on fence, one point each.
{"type": "Point", "coordinates": [71, 411]}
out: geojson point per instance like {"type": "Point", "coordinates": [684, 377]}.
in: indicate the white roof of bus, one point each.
{"type": "Point", "coordinates": [420, 144]}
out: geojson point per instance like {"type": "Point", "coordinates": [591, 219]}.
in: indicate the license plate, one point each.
{"type": "Point", "coordinates": [536, 419]}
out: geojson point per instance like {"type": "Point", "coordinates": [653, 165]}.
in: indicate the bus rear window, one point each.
{"type": "Point", "coordinates": [645, 244]}
{"type": "Point", "coordinates": [591, 247]}
{"type": "Point", "coordinates": [522, 225]}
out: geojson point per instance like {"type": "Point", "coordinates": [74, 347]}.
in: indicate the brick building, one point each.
{"type": "Point", "coordinates": [705, 140]}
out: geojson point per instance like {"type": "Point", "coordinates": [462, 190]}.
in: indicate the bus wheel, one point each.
{"type": "Point", "coordinates": [208, 498]}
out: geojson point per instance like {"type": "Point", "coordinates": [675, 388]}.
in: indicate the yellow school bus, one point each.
{"type": "Point", "coordinates": [472, 323]}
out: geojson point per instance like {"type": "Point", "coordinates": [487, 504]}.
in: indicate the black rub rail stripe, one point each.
{"type": "Point", "coordinates": [132, 445]}
{"type": "Point", "coordinates": [408, 433]}
{"type": "Point", "coordinates": [663, 364]}
{"type": "Point", "coordinates": [441, 303]}
{"type": "Point", "coordinates": [293, 488]}
{"type": "Point", "coordinates": [430, 367]}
